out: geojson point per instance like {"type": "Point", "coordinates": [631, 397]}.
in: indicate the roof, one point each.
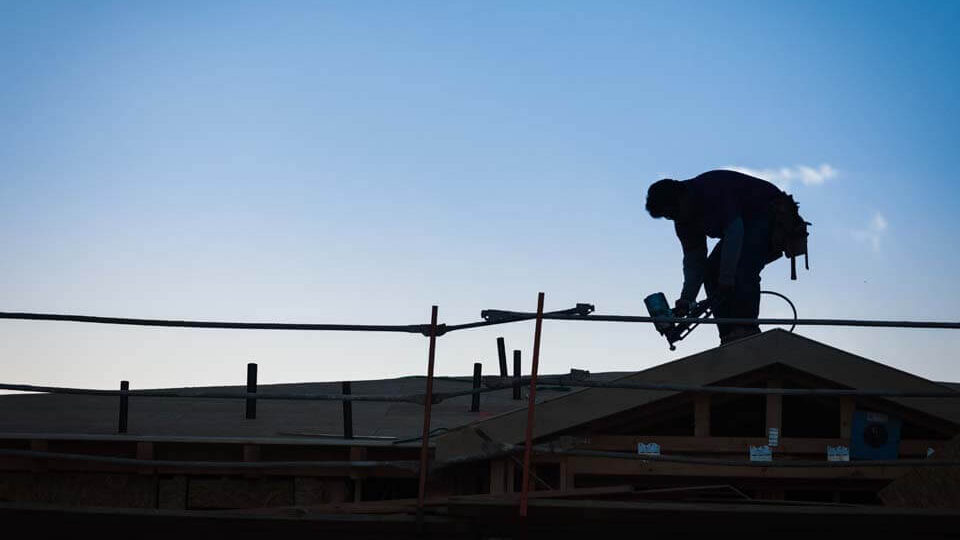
{"type": "Point", "coordinates": [500, 416]}
{"type": "Point", "coordinates": [58, 415]}
{"type": "Point", "coordinates": [560, 413]}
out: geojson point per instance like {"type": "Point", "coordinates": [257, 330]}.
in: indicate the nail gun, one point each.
{"type": "Point", "coordinates": [658, 307]}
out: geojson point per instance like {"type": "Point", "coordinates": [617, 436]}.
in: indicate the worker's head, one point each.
{"type": "Point", "coordinates": [664, 198]}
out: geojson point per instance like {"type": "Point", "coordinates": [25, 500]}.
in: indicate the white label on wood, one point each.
{"type": "Point", "coordinates": [761, 453]}
{"type": "Point", "coordinates": [648, 449]}
{"type": "Point", "coordinates": [774, 437]}
{"type": "Point", "coordinates": [838, 453]}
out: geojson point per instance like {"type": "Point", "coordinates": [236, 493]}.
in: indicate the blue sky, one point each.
{"type": "Point", "coordinates": [361, 161]}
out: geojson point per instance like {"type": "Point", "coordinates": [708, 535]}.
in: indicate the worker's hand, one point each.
{"type": "Point", "coordinates": [682, 308]}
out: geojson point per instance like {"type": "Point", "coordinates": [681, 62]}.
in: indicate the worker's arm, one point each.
{"type": "Point", "coordinates": [730, 253]}
{"type": "Point", "coordinates": [694, 244]}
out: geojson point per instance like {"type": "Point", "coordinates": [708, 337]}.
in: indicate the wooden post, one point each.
{"type": "Point", "coordinates": [531, 405]}
{"type": "Point", "coordinates": [357, 478]}
{"type": "Point", "coordinates": [251, 454]}
{"type": "Point", "coordinates": [567, 476]}
{"type": "Point", "coordinates": [428, 402]}
{"type": "Point", "coordinates": [39, 465]}
{"type": "Point", "coordinates": [145, 452]}
{"type": "Point", "coordinates": [124, 407]}
{"type": "Point", "coordinates": [347, 407]}
{"type": "Point", "coordinates": [774, 407]}
{"type": "Point", "coordinates": [701, 415]}
{"type": "Point", "coordinates": [502, 355]}
{"type": "Point", "coordinates": [251, 389]}
{"type": "Point", "coordinates": [516, 375]}
{"type": "Point", "coordinates": [498, 476]}
{"type": "Point", "coordinates": [847, 407]}
{"type": "Point", "coordinates": [475, 402]}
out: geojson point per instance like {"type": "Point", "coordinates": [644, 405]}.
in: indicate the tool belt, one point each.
{"type": "Point", "coordinates": [788, 232]}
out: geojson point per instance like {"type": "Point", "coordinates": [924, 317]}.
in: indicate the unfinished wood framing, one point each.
{"type": "Point", "coordinates": [628, 467]}
{"type": "Point", "coordinates": [774, 407]}
{"type": "Point", "coordinates": [701, 415]}
{"type": "Point", "coordinates": [498, 476]}
{"type": "Point", "coordinates": [738, 445]}
{"type": "Point", "coordinates": [567, 475]}
{"type": "Point", "coordinates": [847, 407]}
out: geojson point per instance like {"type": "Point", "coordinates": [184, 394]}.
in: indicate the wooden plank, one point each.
{"type": "Point", "coordinates": [774, 407]}
{"type": "Point", "coordinates": [172, 492]}
{"type": "Point", "coordinates": [627, 467]}
{"type": "Point", "coordinates": [145, 451]}
{"type": "Point", "coordinates": [299, 441]}
{"type": "Point", "coordinates": [224, 493]}
{"type": "Point", "coordinates": [847, 406]}
{"type": "Point", "coordinates": [737, 445]}
{"type": "Point", "coordinates": [928, 488]}
{"type": "Point", "coordinates": [39, 465]}
{"type": "Point", "coordinates": [251, 452]}
{"type": "Point", "coordinates": [498, 477]}
{"type": "Point", "coordinates": [567, 475]}
{"type": "Point", "coordinates": [701, 415]}
{"type": "Point", "coordinates": [358, 454]}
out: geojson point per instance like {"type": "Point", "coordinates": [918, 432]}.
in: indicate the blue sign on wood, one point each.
{"type": "Point", "coordinates": [874, 436]}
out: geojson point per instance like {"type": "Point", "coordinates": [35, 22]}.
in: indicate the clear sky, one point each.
{"type": "Point", "coordinates": [360, 161]}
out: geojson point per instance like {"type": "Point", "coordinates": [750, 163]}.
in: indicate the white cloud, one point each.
{"type": "Point", "coordinates": [784, 176]}
{"type": "Point", "coordinates": [878, 223]}
{"type": "Point", "coordinates": [874, 231]}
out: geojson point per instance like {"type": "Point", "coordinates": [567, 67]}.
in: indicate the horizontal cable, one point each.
{"type": "Point", "coordinates": [728, 320]}
{"type": "Point", "coordinates": [492, 384]}
{"type": "Point", "coordinates": [410, 328]}
{"type": "Point", "coordinates": [410, 398]}
{"type": "Point", "coordinates": [411, 465]}
{"type": "Point", "coordinates": [502, 317]}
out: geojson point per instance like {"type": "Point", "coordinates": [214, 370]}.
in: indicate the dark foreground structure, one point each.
{"type": "Point", "coordinates": [606, 460]}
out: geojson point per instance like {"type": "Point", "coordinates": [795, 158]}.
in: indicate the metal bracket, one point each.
{"type": "Point", "coordinates": [500, 315]}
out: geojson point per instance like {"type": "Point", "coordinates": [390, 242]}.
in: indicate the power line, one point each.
{"type": "Point", "coordinates": [503, 317]}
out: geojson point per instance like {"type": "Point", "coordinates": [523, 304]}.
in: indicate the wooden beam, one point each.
{"type": "Point", "coordinates": [498, 476]}
{"type": "Point", "coordinates": [145, 451]}
{"type": "Point", "coordinates": [847, 406]}
{"type": "Point", "coordinates": [358, 453]}
{"type": "Point", "coordinates": [251, 452]}
{"type": "Point", "coordinates": [701, 415]}
{"type": "Point", "coordinates": [567, 475]}
{"type": "Point", "coordinates": [39, 465]}
{"type": "Point", "coordinates": [774, 407]}
{"type": "Point", "coordinates": [627, 467]}
{"type": "Point", "coordinates": [738, 445]}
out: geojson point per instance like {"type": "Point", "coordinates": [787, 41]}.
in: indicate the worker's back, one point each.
{"type": "Point", "coordinates": [718, 197]}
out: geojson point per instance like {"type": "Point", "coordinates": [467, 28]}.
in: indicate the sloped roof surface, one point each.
{"type": "Point", "coordinates": [205, 417]}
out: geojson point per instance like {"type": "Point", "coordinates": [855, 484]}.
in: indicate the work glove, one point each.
{"type": "Point", "coordinates": [682, 308]}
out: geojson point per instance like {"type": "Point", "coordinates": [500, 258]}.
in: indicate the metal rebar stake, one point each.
{"type": "Point", "coordinates": [531, 404]}
{"type": "Point", "coordinates": [425, 446]}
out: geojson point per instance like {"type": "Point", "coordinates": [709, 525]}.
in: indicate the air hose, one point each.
{"type": "Point", "coordinates": [792, 307]}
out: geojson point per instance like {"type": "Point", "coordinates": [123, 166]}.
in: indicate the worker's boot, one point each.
{"type": "Point", "coordinates": [738, 332]}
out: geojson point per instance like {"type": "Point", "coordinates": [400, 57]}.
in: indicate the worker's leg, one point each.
{"type": "Point", "coordinates": [721, 306]}
{"type": "Point", "coordinates": [746, 302]}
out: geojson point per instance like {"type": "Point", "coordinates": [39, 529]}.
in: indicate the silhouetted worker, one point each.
{"type": "Point", "coordinates": [731, 206]}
